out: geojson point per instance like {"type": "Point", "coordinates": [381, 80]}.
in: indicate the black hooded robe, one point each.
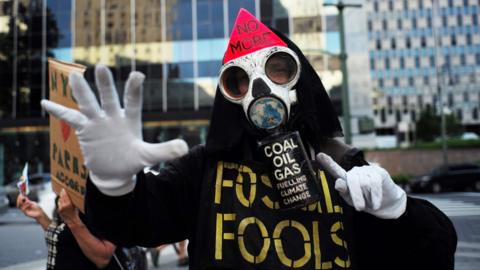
{"type": "Point", "coordinates": [219, 197]}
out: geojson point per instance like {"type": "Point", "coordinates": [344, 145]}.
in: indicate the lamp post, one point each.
{"type": "Point", "coordinates": [440, 88]}
{"type": "Point", "coordinates": [343, 59]}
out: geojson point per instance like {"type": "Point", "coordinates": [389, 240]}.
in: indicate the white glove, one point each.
{"type": "Point", "coordinates": [111, 137]}
{"type": "Point", "coordinates": [367, 188]}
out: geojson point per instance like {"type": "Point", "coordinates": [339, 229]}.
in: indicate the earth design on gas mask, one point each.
{"type": "Point", "coordinates": [267, 113]}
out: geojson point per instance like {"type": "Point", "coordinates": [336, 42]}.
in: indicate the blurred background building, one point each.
{"type": "Point", "coordinates": [418, 50]}
{"type": "Point", "coordinates": [178, 44]}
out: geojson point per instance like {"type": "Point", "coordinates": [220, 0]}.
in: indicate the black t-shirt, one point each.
{"type": "Point", "coordinates": [65, 253]}
{"type": "Point", "coordinates": [225, 207]}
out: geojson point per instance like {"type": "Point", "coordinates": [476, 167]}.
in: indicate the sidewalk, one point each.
{"type": "Point", "coordinates": [168, 260]}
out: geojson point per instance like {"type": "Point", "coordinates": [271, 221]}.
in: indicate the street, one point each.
{"type": "Point", "coordinates": [23, 245]}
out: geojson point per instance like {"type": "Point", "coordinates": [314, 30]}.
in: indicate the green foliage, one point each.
{"type": "Point", "coordinates": [429, 126]}
{"type": "Point", "coordinates": [401, 178]}
{"type": "Point", "coordinates": [451, 144]}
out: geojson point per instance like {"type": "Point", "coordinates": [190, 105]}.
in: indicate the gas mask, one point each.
{"type": "Point", "coordinates": [258, 74]}
{"type": "Point", "coordinates": [261, 82]}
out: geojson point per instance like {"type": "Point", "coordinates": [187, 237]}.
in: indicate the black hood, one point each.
{"type": "Point", "coordinates": [313, 115]}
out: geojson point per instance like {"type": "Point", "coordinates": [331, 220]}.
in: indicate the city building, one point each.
{"type": "Point", "coordinates": [177, 44]}
{"type": "Point", "coordinates": [423, 52]}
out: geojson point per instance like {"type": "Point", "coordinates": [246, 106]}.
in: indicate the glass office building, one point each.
{"type": "Point", "coordinates": [177, 44]}
{"type": "Point", "coordinates": [418, 50]}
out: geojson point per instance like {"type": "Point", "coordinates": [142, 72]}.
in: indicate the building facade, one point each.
{"type": "Point", "coordinates": [423, 52]}
{"type": "Point", "coordinates": [177, 44]}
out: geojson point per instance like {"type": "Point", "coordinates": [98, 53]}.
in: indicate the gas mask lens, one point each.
{"type": "Point", "coordinates": [281, 68]}
{"type": "Point", "coordinates": [235, 82]}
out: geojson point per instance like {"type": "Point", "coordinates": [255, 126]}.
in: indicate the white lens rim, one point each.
{"type": "Point", "coordinates": [254, 65]}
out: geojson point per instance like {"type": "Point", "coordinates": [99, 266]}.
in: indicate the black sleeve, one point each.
{"type": "Point", "coordinates": [157, 211]}
{"type": "Point", "coordinates": [422, 238]}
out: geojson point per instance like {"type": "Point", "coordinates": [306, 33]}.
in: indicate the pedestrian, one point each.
{"type": "Point", "coordinates": [70, 243]}
{"type": "Point", "coordinates": [226, 199]}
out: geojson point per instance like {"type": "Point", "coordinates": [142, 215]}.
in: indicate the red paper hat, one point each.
{"type": "Point", "coordinates": [249, 35]}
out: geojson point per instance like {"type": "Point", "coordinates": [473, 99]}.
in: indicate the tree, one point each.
{"type": "Point", "coordinates": [29, 56]}
{"type": "Point", "coordinates": [429, 126]}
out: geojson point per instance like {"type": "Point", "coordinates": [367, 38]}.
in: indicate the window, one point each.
{"type": "Point", "coordinates": [450, 3]}
{"type": "Point", "coordinates": [444, 21]}
{"type": "Point", "coordinates": [393, 43]}
{"type": "Point", "coordinates": [398, 115]}
{"type": "Point", "coordinates": [463, 61]}
{"type": "Point", "coordinates": [375, 6]}
{"type": "Point", "coordinates": [453, 40]}
{"type": "Point", "coordinates": [372, 64]}
{"type": "Point", "coordinates": [429, 21]}
{"type": "Point", "coordinates": [459, 20]}
{"type": "Point", "coordinates": [423, 42]}
{"type": "Point", "coordinates": [414, 23]}
{"type": "Point", "coordinates": [469, 39]}
{"type": "Point", "coordinates": [380, 83]}
{"type": "Point", "coordinates": [395, 81]}
{"type": "Point", "coordinates": [460, 114]}
{"type": "Point", "coordinates": [474, 19]}
{"type": "Point", "coordinates": [420, 101]}
{"type": "Point", "coordinates": [432, 61]}
{"type": "Point", "coordinates": [408, 43]}
{"type": "Point", "coordinates": [465, 97]}
{"type": "Point", "coordinates": [413, 115]}
{"type": "Point", "coordinates": [420, 4]}
{"type": "Point", "coordinates": [426, 80]}
{"type": "Point", "coordinates": [405, 4]}
{"type": "Point", "coordinates": [387, 63]}
{"type": "Point", "coordinates": [390, 5]}
{"type": "Point", "coordinates": [383, 116]}
{"type": "Point", "coordinates": [209, 19]}
{"type": "Point", "coordinates": [402, 63]}
{"type": "Point", "coordinates": [399, 24]}
{"type": "Point", "coordinates": [417, 61]}
{"type": "Point", "coordinates": [450, 99]}
{"type": "Point", "coordinates": [378, 44]}
{"type": "Point", "coordinates": [404, 100]}
{"type": "Point", "coordinates": [411, 81]}
{"type": "Point", "coordinates": [477, 58]}
{"type": "Point", "coordinates": [384, 24]}
{"type": "Point", "coordinates": [475, 113]}
{"type": "Point", "coordinates": [370, 25]}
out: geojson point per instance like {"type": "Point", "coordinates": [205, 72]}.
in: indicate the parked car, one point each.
{"type": "Point", "coordinates": [3, 200]}
{"type": "Point", "coordinates": [37, 183]}
{"type": "Point", "coordinates": [451, 177]}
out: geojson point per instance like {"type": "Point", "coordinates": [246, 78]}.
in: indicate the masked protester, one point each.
{"type": "Point", "coordinates": [271, 189]}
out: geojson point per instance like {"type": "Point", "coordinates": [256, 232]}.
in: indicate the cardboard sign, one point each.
{"type": "Point", "coordinates": [66, 161]}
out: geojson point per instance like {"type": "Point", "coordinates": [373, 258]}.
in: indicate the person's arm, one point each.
{"type": "Point", "coordinates": [96, 250]}
{"type": "Point", "coordinates": [161, 209]}
{"type": "Point", "coordinates": [423, 237]}
{"type": "Point", "coordinates": [33, 210]}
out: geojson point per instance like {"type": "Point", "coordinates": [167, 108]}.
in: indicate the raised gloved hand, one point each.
{"type": "Point", "coordinates": [111, 137]}
{"type": "Point", "coordinates": [367, 188]}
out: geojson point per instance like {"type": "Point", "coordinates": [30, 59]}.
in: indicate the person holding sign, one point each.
{"type": "Point", "coordinates": [70, 243]}
{"type": "Point", "coordinates": [271, 189]}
